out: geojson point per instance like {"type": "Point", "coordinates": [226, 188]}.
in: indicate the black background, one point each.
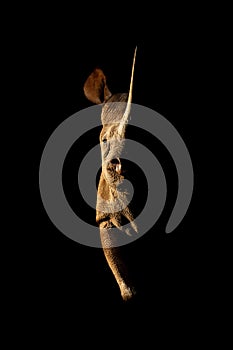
{"type": "Point", "coordinates": [62, 279]}
{"type": "Point", "coordinates": [166, 265]}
